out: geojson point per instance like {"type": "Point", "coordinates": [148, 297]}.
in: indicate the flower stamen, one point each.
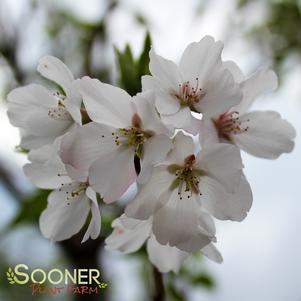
{"type": "Point", "coordinates": [189, 95]}
{"type": "Point", "coordinates": [230, 124]}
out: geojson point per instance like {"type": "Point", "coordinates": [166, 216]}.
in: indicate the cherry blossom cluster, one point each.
{"type": "Point", "coordinates": [178, 141]}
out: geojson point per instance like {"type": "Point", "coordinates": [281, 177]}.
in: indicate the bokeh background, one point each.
{"type": "Point", "coordinates": [262, 255]}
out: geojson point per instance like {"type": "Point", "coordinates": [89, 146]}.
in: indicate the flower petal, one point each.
{"type": "Point", "coordinates": [155, 150]}
{"type": "Point", "coordinates": [93, 230]}
{"type": "Point", "coordinates": [84, 145]}
{"type": "Point", "coordinates": [183, 147]}
{"type": "Point", "coordinates": [31, 141]}
{"type": "Point", "coordinates": [260, 82]}
{"type": "Point", "coordinates": [208, 133]}
{"type": "Point", "coordinates": [111, 175]}
{"type": "Point", "coordinates": [178, 220]}
{"type": "Point", "coordinates": [195, 243]}
{"type": "Point", "coordinates": [73, 101]}
{"type": "Point", "coordinates": [63, 218]}
{"type": "Point", "coordinates": [55, 70]}
{"type": "Point", "coordinates": [222, 162]}
{"type": "Point", "coordinates": [268, 135]}
{"type": "Point", "coordinates": [28, 108]}
{"type": "Point", "coordinates": [211, 252]}
{"type": "Point", "coordinates": [183, 119]}
{"type": "Point", "coordinates": [221, 93]}
{"type": "Point", "coordinates": [200, 58]}
{"type": "Point", "coordinates": [145, 108]}
{"type": "Point", "coordinates": [223, 205]}
{"type": "Point", "coordinates": [106, 104]}
{"type": "Point", "coordinates": [151, 196]}
{"type": "Point", "coordinates": [47, 171]}
{"type": "Point", "coordinates": [165, 70]}
{"type": "Point", "coordinates": [128, 239]}
{"type": "Point", "coordinates": [235, 71]}
{"type": "Point", "coordinates": [165, 258]}
{"type": "Point", "coordinates": [165, 101]}
{"type": "Point", "coordinates": [206, 234]}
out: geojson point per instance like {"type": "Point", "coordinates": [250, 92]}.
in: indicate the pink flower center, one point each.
{"type": "Point", "coordinates": [230, 124]}
{"type": "Point", "coordinates": [189, 94]}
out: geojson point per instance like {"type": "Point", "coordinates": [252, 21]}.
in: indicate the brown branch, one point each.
{"type": "Point", "coordinates": [159, 291]}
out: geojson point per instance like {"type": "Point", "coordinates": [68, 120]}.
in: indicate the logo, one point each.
{"type": "Point", "coordinates": [57, 281]}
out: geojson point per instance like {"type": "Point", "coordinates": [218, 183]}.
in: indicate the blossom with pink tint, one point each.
{"type": "Point", "coordinates": [260, 133]}
{"type": "Point", "coordinates": [123, 128]}
{"type": "Point", "coordinates": [41, 115]}
{"type": "Point", "coordinates": [199, 84]}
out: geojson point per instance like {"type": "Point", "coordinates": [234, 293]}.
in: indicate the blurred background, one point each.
{"type": "Point", "coordinates": [262, 255]}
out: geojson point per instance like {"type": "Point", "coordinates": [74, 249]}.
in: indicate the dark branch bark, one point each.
{"type": "Point", "coordinates": [159, 291]}
{"type": "Point", "coordinates": [85, 256]}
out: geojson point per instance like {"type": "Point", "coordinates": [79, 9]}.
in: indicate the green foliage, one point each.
{"type": "Point", "coordinates": [31, 208]}
{"type": "Point", "coordinates": [281, 29]}
{"type": "Point", "coordinates": [203, 279]}
{"type": "Point", "coordinates": [174, 294]}
{"type": "Point", "coordinates": [132, 69]}
{"type": "Point", "coordinates": [21, 150]}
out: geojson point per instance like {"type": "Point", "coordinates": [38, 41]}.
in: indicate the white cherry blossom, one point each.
{"type": "Point", "coordinates": [42, 115]}
{"type": "Point", "coordinates": [122, 128]}
{"type": "Point", "coordinates": [187, 189]}
{"type": "Point", "coordinates": [260, 133]}
{"type": "Point", "coordinates": [200, 83]}
{"type": "Point", "coordinates": [130, 234]}
{"type": "Point", "coordinates": [69, 204]}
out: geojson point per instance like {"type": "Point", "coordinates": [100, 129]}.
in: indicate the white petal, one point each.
{"type": "Point", "coordinates": [195, 243]}
{"type": "Point", "coordinates": [145, 106]}
{"type": "Point", "coordinates": [55, 70]}
{"type": "Point", "coordinates": [258, 83]}
{"type": "Point", "coordinates": [148, 83]}
{"type": "Point", "coordinates": [151, 196]}
{"type": "Point", "coordinates": [155, 150]}
{"type": "Point", "coordinates": [106, 104]}
{"type": "Point", "coordinates": [47, 171]}
{"type": "Point", "coordinates": [93, 230]}
{"type": "Point", "coordinates": [165, 101]}
{"type": "Point", "coordinates": [111, 175]}
{"type": "Point", "coordinates": [208, 133]}
{"type": "Point", "coordinates": [199, 59]}
{"type": "Point", "coordinates": [183, 147]}
{"type": "Point", "coordinates": [125, 239]}
{"type": "Point", "coordinates": [177, 221]}
{"type": "Point", "coordinates": [165, 70]}
{"type": "Point", "coordinates": [221, 93]}
{"type": "Point", "coordinates": [47, 175]}
{"type": "Point", "coordinates": [63, 218]}
{"type": "Point", "coordinates": [165, 258]}
{"type": "Point", "coordinates": [76, 174]}
{"type": "Point", "coordinates": [268, 135]}
{"type": "Point", "coordinates": [73, 102]}
{"type": "Point", "coordinates": [223, 205]}
{"type": "Point", "coordinates": [211, 252]}
{"type": "Point", "coordinates": [46, 153]}
{"type": "Point", "coordinates": [235, 71]}
{"type": "Point", "coordinates": [183, 120]}
{"type": "Point", "coordinates": [223, 162]}
{"type": "Point", "coordinates": [28, 108]}
{"type": "Point", "coordinates": [84, 145]}
{"type": "Point", "coordinates": [30, 141]}
{"type": "Point", "coordinates": [206, 234]}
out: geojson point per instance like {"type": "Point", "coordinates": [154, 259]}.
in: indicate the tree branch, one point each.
{"type": "Point", "coordinates": [159, 291]}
